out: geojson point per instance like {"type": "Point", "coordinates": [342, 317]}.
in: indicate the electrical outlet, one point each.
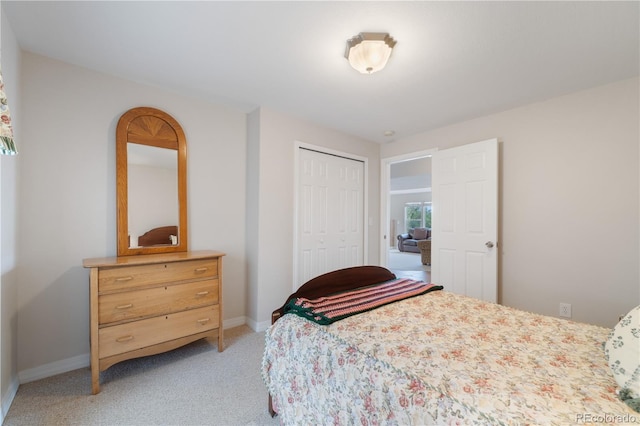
{"type": "Point", "coordinates": [565, 310]}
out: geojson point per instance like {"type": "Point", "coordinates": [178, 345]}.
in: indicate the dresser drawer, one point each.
{"type": "Point", "coordinates": [123, 278]}
{"type": "Point", "coordinates": [130, 336]}
{"type": "Point", "coordinates": [131, 305]}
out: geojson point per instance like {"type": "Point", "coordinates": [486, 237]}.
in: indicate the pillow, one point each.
{"type": "Point", "coordinates": [622, 350]}
{"type": "Point", "coordinates": [420, 233]}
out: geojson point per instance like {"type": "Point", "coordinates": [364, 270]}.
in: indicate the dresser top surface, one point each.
{"type": "Point", "coordinates": [146, 259]}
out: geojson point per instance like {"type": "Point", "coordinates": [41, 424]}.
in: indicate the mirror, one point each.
{"type": "Point", "coordinates": [151, 183]}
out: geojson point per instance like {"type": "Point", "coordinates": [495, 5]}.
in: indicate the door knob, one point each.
{"type": "Point", "coordinates": [489, 244]}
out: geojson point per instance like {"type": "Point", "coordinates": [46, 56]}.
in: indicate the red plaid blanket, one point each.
{"type": "Point", "coordinates": [326, 310]}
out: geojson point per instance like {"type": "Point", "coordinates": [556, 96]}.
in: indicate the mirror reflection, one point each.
{"type": "Point", "coordinates": [153, 214]}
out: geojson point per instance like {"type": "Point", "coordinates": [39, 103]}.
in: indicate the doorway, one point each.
{"type": "Point", "coordinates": [464, 249]}
{"type": "Point", "coordinates": [406, 207]}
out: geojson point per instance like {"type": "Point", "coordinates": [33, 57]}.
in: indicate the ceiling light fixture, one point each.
{"type": "Point", "coordinates": [369, 52]}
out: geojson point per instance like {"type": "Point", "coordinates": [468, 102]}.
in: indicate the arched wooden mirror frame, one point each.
{"type": "Point", "coordinates": [152, 127]}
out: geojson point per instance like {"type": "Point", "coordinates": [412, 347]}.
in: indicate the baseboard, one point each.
{"type": "Point", "coordinates": [7, 399]}
{"type": "Point", "coordinates": [82, 361]}
{"type": "Point", "coordinates": [234, 322]}
{"type": "Point", "coordinates": [53, 368]}
{"type": "Point", "coordinates": [258, 326]}
{"type": "Point", "coordinates": [254, 325]}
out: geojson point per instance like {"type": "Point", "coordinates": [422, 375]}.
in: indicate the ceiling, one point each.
{"type": "Point", "coordinates": [410, 175]}
{"type": "Point", "coordinates": [453, 60]}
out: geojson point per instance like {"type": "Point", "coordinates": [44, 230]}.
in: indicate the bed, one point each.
{"type": "Point", "coordinates": [158, 236]}
{"type": "Point", "coordinates": [440, 358]}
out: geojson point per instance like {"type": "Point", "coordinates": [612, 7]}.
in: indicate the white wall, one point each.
{"type": "Point", "coordinates": [66, 199]}
{"type": "Point", "coordinates": [569, 199]}
{"type": "Point", "coordinates": [273, 182]}
{"type": "Point", "coordinates": [9, 168]}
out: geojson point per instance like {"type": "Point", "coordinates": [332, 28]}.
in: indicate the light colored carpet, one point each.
{"type": "Point", "coordinates": [403, 261]}
{"type": "Point", "coordinates": [192, 385]}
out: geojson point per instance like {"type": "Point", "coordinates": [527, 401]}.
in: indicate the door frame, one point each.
{"type": "Point", "coordinates": [385, 194]}
{"type": "Point", "coordinates": [296, 188]}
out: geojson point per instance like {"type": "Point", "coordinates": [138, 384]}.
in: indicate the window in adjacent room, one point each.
{"type": "Point", "coordinates": [426, 215]}
{"type": "Point", "coordinates": [417, 215]}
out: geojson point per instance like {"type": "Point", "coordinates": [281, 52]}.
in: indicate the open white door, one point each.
{"type": "Point", "coordinates": [464, 253]}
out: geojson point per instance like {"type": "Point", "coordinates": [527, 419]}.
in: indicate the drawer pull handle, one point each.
{"type": "Point", "coordinates": [204, 320]}
{"type": "Point", "coordinates": [129, 278]}
{"type": "Point", "coordinates": [203, 269]}
{"type": "Point", "coordinates": [124, 338]}
{"type": "Point", "coordinates": [127, 306]}
{"type": "Point", "coordinates": [202, 293]}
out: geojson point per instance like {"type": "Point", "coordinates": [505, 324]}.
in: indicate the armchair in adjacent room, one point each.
{"type": "Point", "coordinates": [409, 242]}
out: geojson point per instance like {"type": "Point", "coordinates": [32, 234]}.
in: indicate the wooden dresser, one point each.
{"type": "Point", "coordinates": [148, 304]}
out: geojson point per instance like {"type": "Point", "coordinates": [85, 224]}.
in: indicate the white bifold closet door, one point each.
{"type": "Point", "coordinates": [330, 228]}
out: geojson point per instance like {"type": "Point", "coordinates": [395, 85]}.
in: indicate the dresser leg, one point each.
{"type": "Point", "coordinates": [220, 340]}
{"type": "Point", "coordinates": [95, 380]}
{"type": "Point", "coordinates": [93, 328]}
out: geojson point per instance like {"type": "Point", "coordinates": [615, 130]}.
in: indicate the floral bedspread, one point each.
{"type": "Point", "coordinates": [441, 358]}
